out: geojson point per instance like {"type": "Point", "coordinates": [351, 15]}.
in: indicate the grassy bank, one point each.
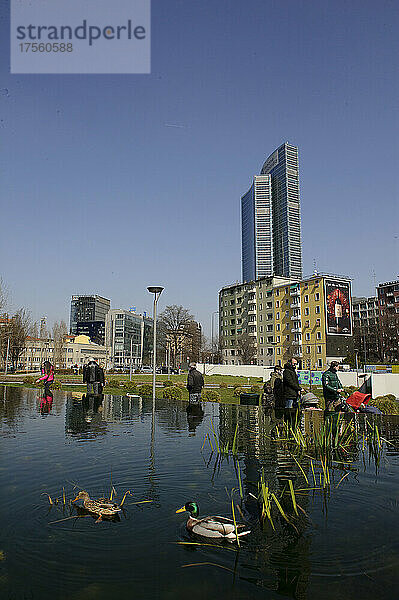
{"type": "Point", "coordinates": [219, 388]}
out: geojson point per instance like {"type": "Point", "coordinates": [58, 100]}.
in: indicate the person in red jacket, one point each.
{"type": "Point", "coordinates": [47, 376]}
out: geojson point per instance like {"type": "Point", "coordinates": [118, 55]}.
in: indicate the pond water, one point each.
{"type": "Point", "coordinates": [343, 543]}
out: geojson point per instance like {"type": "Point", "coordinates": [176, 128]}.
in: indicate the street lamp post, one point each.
{"type": "Point", "coordinates": [156, 290]}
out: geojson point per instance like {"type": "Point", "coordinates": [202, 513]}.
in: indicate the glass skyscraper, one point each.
{"type": "Point", "coordinates": [88, 315]}
{"type": "Point", "coordinates": [257, 229]}
{"type": "Point", "coordinates": [271, 230]}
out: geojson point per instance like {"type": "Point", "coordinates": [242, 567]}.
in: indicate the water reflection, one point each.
{"type": "Point", "coordinates": [339, 533]}
{"type": "Point", "coordinates": [195, 416]}
{"type": "Point", "coordinates": [46, 403]}
{"type": "Point", "coordinates": [84, 415]}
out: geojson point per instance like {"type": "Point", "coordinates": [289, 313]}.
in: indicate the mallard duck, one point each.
{"type": "Point", "coordinates": [103, 507]}
{"type": "Point", "coordinates": [212, 526]}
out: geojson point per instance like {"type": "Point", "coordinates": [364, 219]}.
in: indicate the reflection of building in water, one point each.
{"type": "Point", "coordinates": [285, 564]}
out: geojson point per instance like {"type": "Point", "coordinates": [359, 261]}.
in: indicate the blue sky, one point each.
{"type": "Point", "coordinates": [101, 195]}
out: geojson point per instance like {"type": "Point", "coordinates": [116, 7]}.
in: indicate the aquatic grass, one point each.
{"type": "Point", "coordinates": [234, 520]}
{"type": "Point", "coordinates": [293, 496]}
{"type": "Point", "coordinates": [264, 498]}
{"type": "Point", "coordinates": [280, 507]}
{"type": "Point", "coordinates": [219, 446]}
{"type": "Point", "coordinates": [210, 564]}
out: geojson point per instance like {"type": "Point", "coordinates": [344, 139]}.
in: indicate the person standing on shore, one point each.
{"type": "Point", "coordinates": [195, 383]}
{"type": "Point", "coordinates": [332, 387]}
{"type": "Point", "coordinates": [276, 383]}
{"type": "Point", "coordinates": [47, 376]}
{"type": "Point", "coordinates": [93, 376]}
{"type": "Point", "coordinates": [291, 387]}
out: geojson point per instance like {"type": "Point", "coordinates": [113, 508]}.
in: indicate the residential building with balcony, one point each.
{"type": "Point", "coordinates": [286, 318]}
{"type": "Point", "coordinates": [388, 309]}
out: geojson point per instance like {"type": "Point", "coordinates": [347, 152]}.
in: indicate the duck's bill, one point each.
{"type": "Point", "coordinates": [182, 509]}
{"type": "Point", "coordinates": [77, 498]}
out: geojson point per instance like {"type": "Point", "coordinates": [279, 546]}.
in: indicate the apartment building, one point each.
{"type": "Point", "coordinates": [280, 318]}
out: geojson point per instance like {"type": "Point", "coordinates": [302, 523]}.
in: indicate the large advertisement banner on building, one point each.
{"type": "Point", "coordinates": [337, 295]}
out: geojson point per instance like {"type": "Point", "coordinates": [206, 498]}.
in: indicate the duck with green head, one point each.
{"type": "Point", "coordinates": [212, 526]}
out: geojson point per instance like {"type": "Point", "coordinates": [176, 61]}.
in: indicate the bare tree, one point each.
{"type": "Point", "coordinates": [246, 348]}
{"type": "Point", "coordinates": [13, 334]}
{"type": "Point", "coordinates": [60, 331]}
{"type": "Point", "coordinates": [34, 330]}
{"type": "Point", "coordinates": [43, 329]}
{"type": "Point", "coordinates": [174, 325]}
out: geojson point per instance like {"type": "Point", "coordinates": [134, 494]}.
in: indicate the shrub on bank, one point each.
{"type": "Point", "coordinates": [29, 380]}
{"type": "Point", "coordinates": [145, 390]}
{"type": "Point", "coordinates": [172, 392]}
{"type": "Point", "coordinates": [113, 382]}
{"type": "Point", "coordinates": [223, 385]}
{"type": "Point", "coordinates": [211, 395]}
{"type": "Point", "coordinates": [130, 386]}
{"type": "Point", "coordinates": [387, 404]}
{"type": "Point", "coordinates": [239, 390]}
{"type": "Point", "coordinates": [167, 383]}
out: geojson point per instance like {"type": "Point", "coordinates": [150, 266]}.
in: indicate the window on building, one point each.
{"type": "Point", "coordinates": [277, 315]}
{"type": "Point", "coordinates": [306, 298]}
{"type": "Point", "coordinates": [317, 310]}
{"type": "Point", "coordinates": [307, 349]}
{"type": "Point", "coordinates": [318, 335]}
{"type": "Point", "coordinates": [277, 304]}
{"type": "Point", "coordinates": [306, 311]}
{"type": "Point", "coordinates": [320, 363]}
{"type": "Point", "coordinates": [307, 336]}
{"type": "Point", "coordinates": [317, 296]}
{"type": "Point", "coordinates": [278, 327]}
{"type": "Point", "coordinates": [278, 338]}
{"type": "Point", "coordinates": [318, 349]}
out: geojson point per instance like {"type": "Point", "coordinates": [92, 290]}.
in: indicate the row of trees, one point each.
{"type": "Point", "coordinates": [378, 343]}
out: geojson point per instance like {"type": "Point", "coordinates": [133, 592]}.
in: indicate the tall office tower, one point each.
{"type": "Point", "coordinates": [88, 317]}
{"type": "Point", "coordinates": [283, 167]}
{"type": "Point", "coordinates": [279, 219]}
{"type": "Point", "coordinates": [257, 230]}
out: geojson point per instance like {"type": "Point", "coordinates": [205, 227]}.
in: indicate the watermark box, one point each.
{"type": "Point", "coordinates": [80, 36]}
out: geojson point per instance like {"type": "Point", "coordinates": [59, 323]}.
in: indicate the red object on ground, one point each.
{"type": "Point", "coordinates": [357, 398]}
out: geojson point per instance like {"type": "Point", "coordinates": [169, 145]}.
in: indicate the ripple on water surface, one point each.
{"type": "Point", "coordinates": [350, 532]}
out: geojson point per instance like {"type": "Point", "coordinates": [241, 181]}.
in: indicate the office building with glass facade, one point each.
{"type": "Point", "coordinates": [271, 219]}
{"type": "Point", "coordinates": [128, 338]}
{"type": "Point", "coordinates": [283, 168]}
{"type": "Point", "coordinates": [88, 313]}
{"type": "Point", "coordinates": [257, 229]}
